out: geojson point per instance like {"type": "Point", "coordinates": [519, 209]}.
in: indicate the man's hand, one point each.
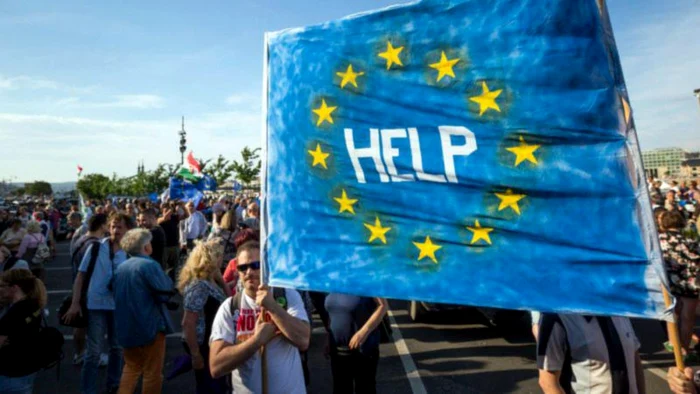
{"type": "Point", "coordinates": [71, 313]}
{"type": "Point", "coordinates": [197, 361]}
{"type": "Point", "coordinates": [681, 383]}
{"type": "Point", "coordinates": [264, 298]}
{"type": "Point", "coordinates": [264, 332]}
{"type": "Point", "coordinates": [358, 339]}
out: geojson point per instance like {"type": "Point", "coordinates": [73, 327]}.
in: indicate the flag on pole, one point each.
{"type": "Point", "coordinates": [187, 174]}
{"type": "Point", "coordinates": [183, 190]}
{"type": "Point", "coordinates": [195, 166]}
{"type": "Point", "coordinates": [80, 170]}
{"type": "Point", "coordinates": [463, 152]}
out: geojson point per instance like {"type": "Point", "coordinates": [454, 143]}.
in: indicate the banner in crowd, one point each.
{"type": "Point", "coordinates": [462, 152]}
{"type": "Point", "coordinates": [183, 190]}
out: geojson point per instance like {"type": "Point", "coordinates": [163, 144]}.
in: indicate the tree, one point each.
{"type": "Point", "coordinates": [221, 169]}
{"type": "Point", "coordinates": [247, 171]}
{"type": "Point", "coordinates": [95, 186]}
{"type": "Point", "coordinates": [38, 188]}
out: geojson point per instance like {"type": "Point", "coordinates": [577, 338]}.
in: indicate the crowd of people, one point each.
{"type": "Point", "coordinates": [133, 262]}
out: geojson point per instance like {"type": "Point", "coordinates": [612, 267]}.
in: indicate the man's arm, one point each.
{"type": "Point", "coordinates": [160, 284]}
{"type": "Point", "coordinates": [549, 382]}
{"type": "Point", "coordinates": [294, 329]}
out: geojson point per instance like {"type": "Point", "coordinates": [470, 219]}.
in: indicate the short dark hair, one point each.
{"type": "Point", "coordinates": [123, 217]}
{"type": "Point", "coordinates": [149, 212]}
{"type": "Point", "coordinates": [672, 220]}
{"type": "Point", "coordinates": [245, 236]}
{"type": "Point", "coordinates": [96, 222]}
{"type": "Point", "coordinates": [248, 247]}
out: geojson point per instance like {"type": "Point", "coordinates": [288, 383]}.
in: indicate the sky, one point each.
{"type": "Point", "coordinates": [104, 84]}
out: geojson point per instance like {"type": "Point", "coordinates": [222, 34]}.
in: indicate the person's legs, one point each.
{"type": "Point", "coordinates": [365, 371]}
{"type": "Point", "coordinates": [133, 367]}
{"type": "Point", "coordinates": [96, 330]}
{"type": "Point", "coordinates": [21, 385]}
{"type": "Point", "coordinates": [114, 368]}
{"type": "Point", "coordinates": [687, 318]}
{"type": "Point", "coordinates": [79, 341]}
{"type": "Point", "coordinates": [341, 367]}
{"type": "Point", "coordinates": [153, 366]}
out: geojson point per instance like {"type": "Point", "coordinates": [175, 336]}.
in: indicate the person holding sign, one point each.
{"type": "Point", "coordinates": [259, 317]}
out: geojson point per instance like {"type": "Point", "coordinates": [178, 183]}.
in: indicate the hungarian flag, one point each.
{"type": "Point", "coordinates": [80, 170]}
{"type": "Point", "coordinates": [195, 166]}
{"type": "Point", "coordinates": [187, 174]}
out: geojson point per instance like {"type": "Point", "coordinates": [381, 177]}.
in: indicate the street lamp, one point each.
{"type": "Point", "coordinates": [183, 142]}
{"type": "Point", "coordinates": [697, 94]}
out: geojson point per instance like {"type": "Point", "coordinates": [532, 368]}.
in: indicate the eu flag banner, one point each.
{"type": "Point", "coordinates": [463, 152]}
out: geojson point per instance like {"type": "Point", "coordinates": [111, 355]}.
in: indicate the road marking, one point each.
{"type": "Point", "coordinates": [409, 366]}
{"type": "Point", "coordinates": [59, 292]}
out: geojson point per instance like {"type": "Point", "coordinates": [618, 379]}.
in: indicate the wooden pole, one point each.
{"type": "Point", "coordinates": [673, 335]}
{"type": "Point", "coordinates": [263, 358]}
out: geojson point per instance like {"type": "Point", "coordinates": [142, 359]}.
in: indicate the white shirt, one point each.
{"type": "Point", "coordinates": [195, 226]}
{"type": "Point", "coordinates": [284, 374]}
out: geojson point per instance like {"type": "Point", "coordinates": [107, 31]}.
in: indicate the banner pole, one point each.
{"type": "Point", "coordinates": [673, 335]}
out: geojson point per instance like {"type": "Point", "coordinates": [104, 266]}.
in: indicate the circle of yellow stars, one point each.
{"type": "Point", "coordinates": [487, 100]}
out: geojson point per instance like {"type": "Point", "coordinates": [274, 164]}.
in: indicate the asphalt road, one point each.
{"type": "Point", "coordinates": [453, 352]}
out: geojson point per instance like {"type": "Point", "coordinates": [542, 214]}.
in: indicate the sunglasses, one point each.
{"type": "Point", "coordinates": [255, 265]}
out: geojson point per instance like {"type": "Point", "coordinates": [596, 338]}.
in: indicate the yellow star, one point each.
{"type": "Point", "coordinates": [319, 156]}
{"type": "Point", "coordinates": [427, 249]}
{"type": "Point", "coordinates": [349, 76]}
{"type": "Point", "coordinates": [324, 113]}
{"type": "Point", "coordinates": [524, 152]}
{"type": "Point", "coordinates": [378, 232]}
{"type": "Point", "coordinates": [444, 66]}
{"type": "Point", "coordinates": [391, 55]}
{"type": "Point", "coordinates": [345, 203]}
{"type": "Point", "coordinates": [626, 110]}
{"type": "Point", "coordinates": [487, 99]}
{"type": "Point", "coordinates": [480, 233]}
{"type": "Point", "coordinates": [508, 199]}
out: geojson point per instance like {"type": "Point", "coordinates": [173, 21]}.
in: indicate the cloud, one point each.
{"type": "Point", "coordinates": [243, 99]}
{"type": "Point", "coordinates": [135, 101]}
{"type": "Point", "coordinates": [105, 145]}
{"type": "Point", "coordinates": [24, 82]}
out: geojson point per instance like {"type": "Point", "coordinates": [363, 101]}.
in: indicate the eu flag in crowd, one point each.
{"type": "Point", "coordinates": [462, 152]}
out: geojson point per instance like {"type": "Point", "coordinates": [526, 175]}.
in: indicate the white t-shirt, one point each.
{"type": "Point", "coordinates": [284, 374]}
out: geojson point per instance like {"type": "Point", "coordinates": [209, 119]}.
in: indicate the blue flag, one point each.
{"type": "Point", "coordinates": [462, 152]}
{"type": "Point", "coordinates": [185, 191]}
{"type": "Point", "coordinates": [206, 183]}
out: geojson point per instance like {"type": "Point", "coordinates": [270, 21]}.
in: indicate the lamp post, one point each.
{"type": "Point", "coordinates": [183, 142]}
{"type": "Point", "coordinates": [697, 94]}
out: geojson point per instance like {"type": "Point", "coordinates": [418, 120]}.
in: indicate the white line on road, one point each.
{"type": "Point", "coordinates": [59, 292]}
{"type": "Point", "coordinates": [412, 374]}
{"type": "Point", "coordinates": [656, 371]}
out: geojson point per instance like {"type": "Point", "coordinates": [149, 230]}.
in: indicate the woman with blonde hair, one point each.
{"type": "Point", "coordinates": [226, 234]}
{"type": "Point", "coordinates": [30, 245]}
{"type": "Point", "coordinates": [203, 290]}
{"type": "Point", "coordinates": [19, 328]}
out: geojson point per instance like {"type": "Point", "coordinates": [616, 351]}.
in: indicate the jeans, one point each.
{"type": "Point", "coordinates": [354, 372]}
{"type": "Point", "coordinates": [100, 323]}
{"type": "Point", "coordinates": [147, 361]}
{"type": "Point", "coordinates": [21, 385]}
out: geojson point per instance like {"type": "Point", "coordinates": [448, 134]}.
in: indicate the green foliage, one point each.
{"type": "Point", "coordinates": [94, 186]}
{"type": "Point", "coordinates": [221, 169]}
{"type": "Point", "coordinates": [38, 188]}
{"type": "Point", "coordinates": [248, 169]}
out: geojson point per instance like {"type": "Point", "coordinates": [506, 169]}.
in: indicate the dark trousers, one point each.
{"type": "Point", "coordinates": [205, 383]}
{"type": "Point", "coordinates": [354, 372]}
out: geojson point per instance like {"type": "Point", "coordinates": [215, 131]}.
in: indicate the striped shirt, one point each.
{"type": "Point", "coordinates": [582, 348]}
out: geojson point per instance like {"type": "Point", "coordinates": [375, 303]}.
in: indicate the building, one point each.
{"type": "Point", "coordinates": [664, 162]}
{"type": "Point", "coordinates": [690, 168]}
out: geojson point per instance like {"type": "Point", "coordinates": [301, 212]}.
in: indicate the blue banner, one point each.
{"type": "Point", "coordinates": [206, 183]}
{"type": "Point", "coordinates": [463, 152]}
{"type": "Point", "coordinates": [185, 191]}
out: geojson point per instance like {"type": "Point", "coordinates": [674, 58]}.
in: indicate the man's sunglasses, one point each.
{"type": "Point", "coordinates": [255, 265]}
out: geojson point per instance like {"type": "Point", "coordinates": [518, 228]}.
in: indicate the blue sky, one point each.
{"type": "Point", "coordinates": [104, 85]}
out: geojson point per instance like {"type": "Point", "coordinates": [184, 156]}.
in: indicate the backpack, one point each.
{"type": "Point", "coordinates": [42, 255]}
{"type": "Point", "coordinates": [46, 351]}
{"type": "Point", "coordinates": [49, 347]}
